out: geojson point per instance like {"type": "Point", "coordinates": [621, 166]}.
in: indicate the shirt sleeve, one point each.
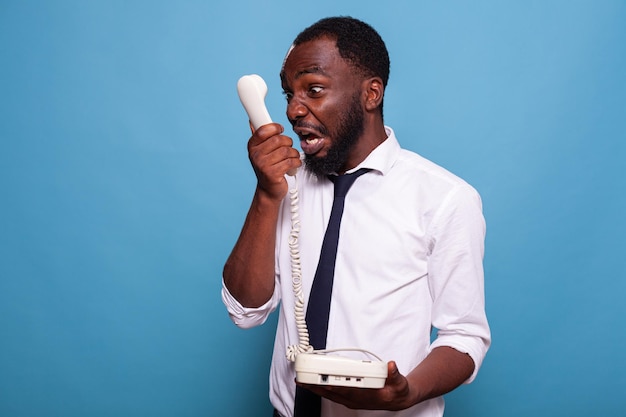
{"type": "Point", "coordinates": [456, 275]}
{"type": "Point", "coordinates": [246, 317]}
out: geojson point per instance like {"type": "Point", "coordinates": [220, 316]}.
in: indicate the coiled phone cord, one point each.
{"type": "Point", "coordinates": [296, 276]}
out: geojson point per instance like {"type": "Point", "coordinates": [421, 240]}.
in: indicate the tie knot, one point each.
{"type": "Point", "coordinates": [345, 181]}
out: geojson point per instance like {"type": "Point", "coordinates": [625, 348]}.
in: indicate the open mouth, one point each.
{"type": "Point", "coordinates": [310, 142]}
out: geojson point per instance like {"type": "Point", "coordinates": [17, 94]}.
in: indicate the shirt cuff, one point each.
{"type": "Point", "coordinates": [475, 347]}
{"type": "Point", "coordinates": [247, 317]}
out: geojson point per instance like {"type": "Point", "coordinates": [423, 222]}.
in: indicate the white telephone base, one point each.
{"type": "Point", "coordinates": [320, 369]}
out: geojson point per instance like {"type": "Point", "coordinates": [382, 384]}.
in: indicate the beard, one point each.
{"type": "Point", "coordinates": [347, 135]}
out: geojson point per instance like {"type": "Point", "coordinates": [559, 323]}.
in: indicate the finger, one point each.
{"type": "Point", "coordinates": [265, 132]}
{"type": "Point", "coordinates": [393, 374]}
{"type": "Point", "coordinates": [275, 150]}
{"type": "Point", "coordinates": [351, 397]}
{"type": "Point", "coordinates": [330, 392]}
{"type": "Point", "coordinates": [275, 164]}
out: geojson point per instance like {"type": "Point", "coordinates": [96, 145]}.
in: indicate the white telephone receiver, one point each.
{"type": "Point", "coordinates": [252, 91]}
{"type": "Point", "coordinates": [312, 367]}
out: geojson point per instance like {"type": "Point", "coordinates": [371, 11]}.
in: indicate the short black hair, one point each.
{"type": "Point", "coordinates": [356, 41]}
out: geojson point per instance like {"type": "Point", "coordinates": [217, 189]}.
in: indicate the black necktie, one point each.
{"type": "Point", "coordinates": [308, 404]}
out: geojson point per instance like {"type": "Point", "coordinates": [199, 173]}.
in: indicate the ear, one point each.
{"type": "Point", "coordinates": [375, 91]}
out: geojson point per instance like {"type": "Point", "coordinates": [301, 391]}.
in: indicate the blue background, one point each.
{"type": "Point", "coordinates": [124, 181]}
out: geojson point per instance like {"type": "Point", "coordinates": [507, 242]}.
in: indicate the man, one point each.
{"type": "Point", "coordinates": [410, 251]}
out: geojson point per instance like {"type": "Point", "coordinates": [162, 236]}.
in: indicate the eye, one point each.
{"type": "Point", "coordinates": [315, 90]}
{"type": "Point", "coordinates": [288, 95]}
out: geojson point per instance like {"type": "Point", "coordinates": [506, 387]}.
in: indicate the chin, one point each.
{"type": "Point", "coordinates": [321, 166]}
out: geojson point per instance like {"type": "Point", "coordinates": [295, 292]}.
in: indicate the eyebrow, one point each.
{"type": "Point", "coordinates": [312, 70]}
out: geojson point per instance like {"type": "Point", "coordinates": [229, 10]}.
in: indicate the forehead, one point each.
{"type": "Point", "coordinates": [317, 56]}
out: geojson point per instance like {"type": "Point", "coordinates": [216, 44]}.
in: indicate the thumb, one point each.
{"type": "Point", "coordinates": [392, 371]}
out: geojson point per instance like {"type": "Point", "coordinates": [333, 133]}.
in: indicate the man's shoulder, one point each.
{"type": "Point", "coordinates": [424, 169]}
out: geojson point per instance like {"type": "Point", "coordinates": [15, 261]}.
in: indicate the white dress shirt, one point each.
{"type": "Point", "coordinates": [409, 259]}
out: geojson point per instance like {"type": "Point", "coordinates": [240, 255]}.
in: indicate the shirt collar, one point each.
{"type": "Point", "coordinates": [383, 156]}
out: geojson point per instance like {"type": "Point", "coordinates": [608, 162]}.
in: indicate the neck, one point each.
{"type": "Point", "coordinates": [373, 135]}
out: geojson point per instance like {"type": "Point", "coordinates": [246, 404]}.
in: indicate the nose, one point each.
{"type": "Point", "coordinates": [296, 109]}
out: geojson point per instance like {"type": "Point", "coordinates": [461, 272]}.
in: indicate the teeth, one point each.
{"type": "Point", "coordinates": [312, 141]}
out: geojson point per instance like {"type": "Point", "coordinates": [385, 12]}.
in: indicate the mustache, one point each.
{"type": "Point", "coordinates": [306, 125]}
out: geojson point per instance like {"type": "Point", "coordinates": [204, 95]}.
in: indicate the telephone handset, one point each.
{"type": "Point", "coordinates": [311, 366]}
{"type": "Point", "coordinates": [252, 91]}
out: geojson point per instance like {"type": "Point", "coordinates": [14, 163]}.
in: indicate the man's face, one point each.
{"type": "Point", "coordinates": [323, 104]}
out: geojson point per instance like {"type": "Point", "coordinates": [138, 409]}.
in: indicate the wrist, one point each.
{"type": "Point", "coordinates": [267, 200]}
